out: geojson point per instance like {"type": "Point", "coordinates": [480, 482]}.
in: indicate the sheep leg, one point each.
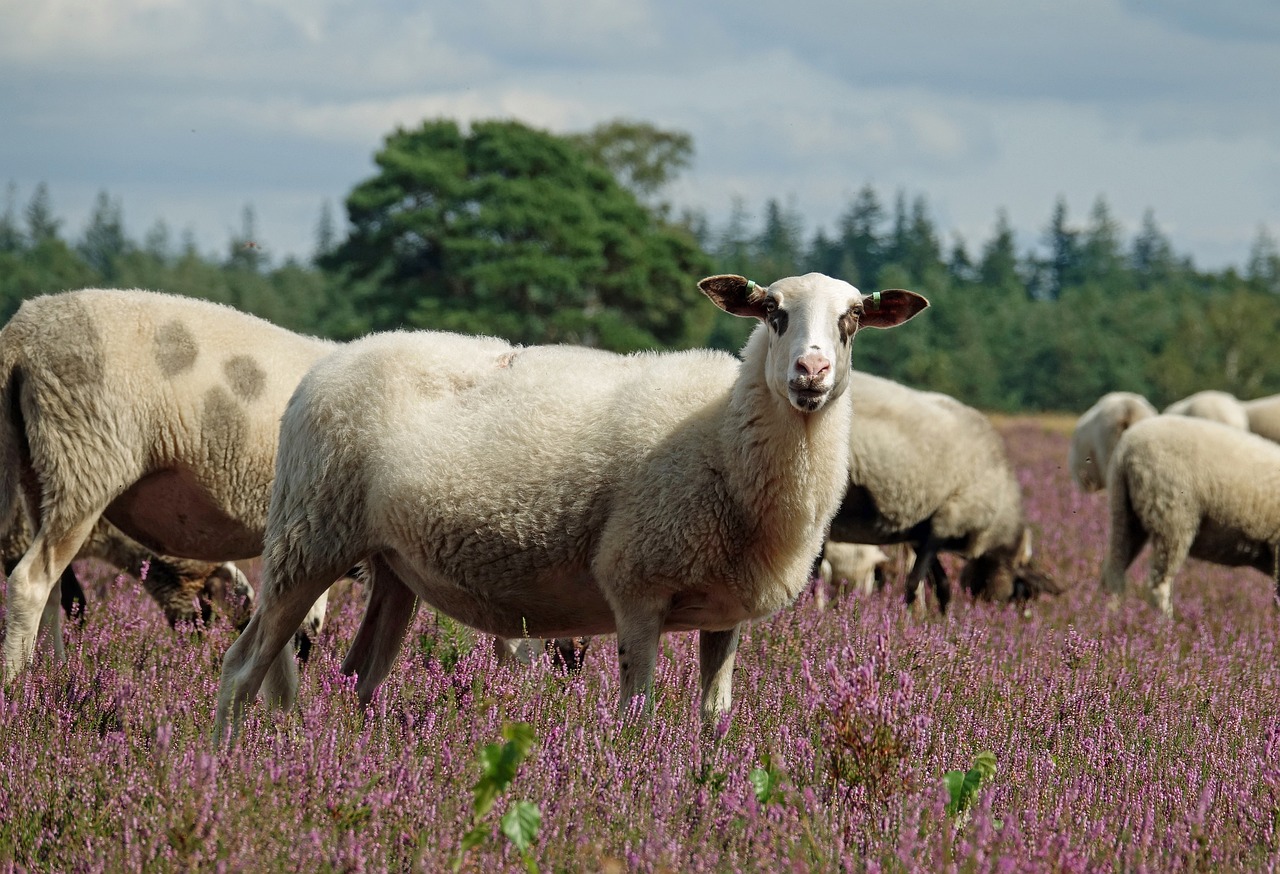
{"type": "Point", "coordinates": [941, 583]}
{"type": "Point", "coordinates": [1125, 539]}
{"type": "Point", "coordinates": [73, 599]}
{"type": "Point", "coordinates": [34, 582]}
{"type": "Point", "coordinates": [260, 658]}
{"type": "Point", "coordinates": [637, 659]}
{"type": "Point", "coordinates": [1167, 556]}
{"type": "Point", "coordinates": [390, 609]}
{"type": "Point", "coordinates": [926, 555]}
{"type": "Point", "coordinates": [716, 652]}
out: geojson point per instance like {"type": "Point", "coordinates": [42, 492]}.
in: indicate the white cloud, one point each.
{"type": "Point", "coordinates": [976, 106]}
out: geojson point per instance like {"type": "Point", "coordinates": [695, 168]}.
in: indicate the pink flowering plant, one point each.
{"type": "Point", "coordinates": [1100, 738]}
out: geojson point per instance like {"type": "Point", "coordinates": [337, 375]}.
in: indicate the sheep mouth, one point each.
{"type": "Point", "coordinates": [807, 396]}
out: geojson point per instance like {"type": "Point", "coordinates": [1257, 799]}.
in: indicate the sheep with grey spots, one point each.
{"type": "Point", "coordinates": [572, 492]}
{"type": "Point", "coordinates": [156, 412]}
{"type": "Point", "coordinates": [928, 471]}
{"type": "Point", "coordinates": [1191, 487]}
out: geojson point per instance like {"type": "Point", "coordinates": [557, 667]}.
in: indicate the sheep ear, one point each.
{"type": "Point", "coordinates": [734, 294]}
{"type": "Point", "coordinates": [885, 309]}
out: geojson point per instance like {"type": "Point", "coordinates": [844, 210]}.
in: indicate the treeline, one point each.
{"type": "Point", "coordinates": [505, 229]}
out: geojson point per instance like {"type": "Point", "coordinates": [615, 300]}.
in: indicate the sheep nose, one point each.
{"type": "Point", "coordinates": [812, 364]}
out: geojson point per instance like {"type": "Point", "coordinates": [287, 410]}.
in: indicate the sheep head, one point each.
{"type": "Point", "coordinates": [1008, 574]}
{"type": "Point", "coordinates": [811, 321]}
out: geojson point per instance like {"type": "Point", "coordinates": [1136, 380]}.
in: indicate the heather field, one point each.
{"type": "Point", "coordinates": [1120, 742]}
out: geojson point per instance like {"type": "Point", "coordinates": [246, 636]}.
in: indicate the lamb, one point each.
{"type": "Point", "coordinates": [570, 493]}
{"type": "Point", "coordinates": [926, 470]}
{"type": "Point", "coordinates": [1097, 432]}
{"type": "Point", "coordinates": [184, 589]}
{"type": "Point", "coordinates": [1216, 406]}
{"type": "Point", "coordinates": [1192, 487]}
{"type": "Point", "coordinates": [1264, 417]}
{"type": "Point", "coordinates": [158, 412]}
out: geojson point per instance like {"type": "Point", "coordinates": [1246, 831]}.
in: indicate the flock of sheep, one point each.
{"type": "Point", "coordinates": [1201, 480]}
{"type": "Point", "coordinates": [547, 492]}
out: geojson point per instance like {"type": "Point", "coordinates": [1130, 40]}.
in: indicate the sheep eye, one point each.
{"type": "Point", "coordinates": [770, 305]}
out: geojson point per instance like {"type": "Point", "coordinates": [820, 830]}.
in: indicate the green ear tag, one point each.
{"type": "Point", "coordinates": [751, 286]}
{"type": "Point", "coordinates": [875, 300]}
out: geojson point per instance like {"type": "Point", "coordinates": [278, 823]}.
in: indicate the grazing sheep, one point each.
{"type": "Point", "coordinates": [572, 492]}
{"type": "Point", "coordinates": [185, 589]}
{"type": "Point", "coordinates": [159, 413]}
{"type": "Point", "coordinates": [858, 564]}
{"type": "Point", "coordinates": [1216, 406]}
{"type": "Point", "coordinates": [926, 470]}
{"type": "Point", "coordinates": [1192, 487]}
{"type": "Point", "coordinates": [1264, 417]}
{"type": "Point", "coordinates": [1096, 434]}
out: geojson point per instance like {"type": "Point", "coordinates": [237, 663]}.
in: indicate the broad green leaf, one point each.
{"type": "Point", "coordinates": [985, 763]}
{"type": "Point", "coordinates": [520, 823]}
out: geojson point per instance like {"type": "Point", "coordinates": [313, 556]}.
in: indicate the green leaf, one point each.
{"type": "Point", "coordinates": [985, 763]}
{"type": "Point", "coordinates": [520, 736]}
{"type": "Point", "coordinates": [485, 792]}
{"type": "Point", "coordinates": [762, 782]}
{"type": "Point", "coordinates": [474, 838]}
{"type": "Point", "coordinates": [520, 823]}
{"type": "Point", "coordinates": [954, 781]}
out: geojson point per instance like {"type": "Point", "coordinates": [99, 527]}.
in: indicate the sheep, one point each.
{"type": "Point", "coordinates": [1096, 434]}
{"type": "Point", "coordinates": [926, 470]}
{"type": "Point", "coordinates": [1192, 487]}
{"type": "Point", "coordinates": [157, 412]}
{"type": "Point", "coordinates": [858, 564]}
{"type": "Point", "coordinates": [1264, 417]}
{"type": "Point", "coordinates": [1216, 406]}
{"type": "Point", "coordinates": [572, 492]}
{"type": "Point", "coordinates": [184, 589]}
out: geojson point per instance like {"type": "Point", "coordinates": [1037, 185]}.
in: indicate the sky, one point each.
{"type": "Point", "coordinates": [191, 110]}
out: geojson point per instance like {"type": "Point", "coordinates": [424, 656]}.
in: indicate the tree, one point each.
{"type": "Point", "coordinates": [1264, 262]}
{"type": "Point", "coordinates": [10, 233]}
{"type": "Point", "coordinates": [326, 232]}
{"type": "Point", "coordinates": [1101, 255]}
{"type": "Point", "coordinates": [641, 157]}
{"type": "Point", "coordinates": [41, 224]}
{"type": "Point", "coordinates": [779, 244]}
{"type": "Point", "coordinates": [1151, 258]}
{"type": "Point", "coordinates": [104, 241]}
{"type": "Point", "coordinates": [998, 266]}
{"type": "Point", "coordinates": [859, 230]}
{"type": "Point", "coordinates": [513, 231]}
{"type": "Point", "coordinates": [245, 250]}
{"type": "Point", "coordinates": [1063, 266]}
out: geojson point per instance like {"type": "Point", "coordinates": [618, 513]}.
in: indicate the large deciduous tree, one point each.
{"type": "Point", "coordinates": [513, 231]}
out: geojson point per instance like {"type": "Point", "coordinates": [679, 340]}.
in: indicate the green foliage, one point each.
{"type": "Point", "coordinates": [516, 232]}
{"type": "Point", "coordinates": [963, 786]}
{"type": "Point", "coordinates": [766, 780]}
{"type": "Point", "coordinates": [499, 763]}
{"type": "Point", "coordinates": [508, 230]}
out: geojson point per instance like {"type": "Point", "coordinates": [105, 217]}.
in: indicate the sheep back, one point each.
{"type": "Point", "coordinates": [1205, 484]}
{"type": "Point", "coordinates": [172, 399]}
{"type": "Point", "coordinates": [1216, 406]}
{"type": "Point", "coordinates": [1264, 417]}
{"type": "Point", "coordinates": [920, 456]}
